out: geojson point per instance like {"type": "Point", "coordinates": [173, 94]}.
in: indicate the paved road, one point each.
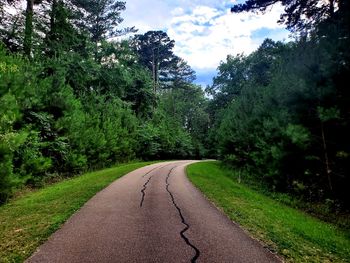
{"type": "Point", "coordinates": [152, 214]}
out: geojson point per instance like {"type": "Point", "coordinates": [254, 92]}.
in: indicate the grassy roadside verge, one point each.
{"type": "Point", "coordinates": [294, 235]}
{"type": "Point", "coordinates": [28, 221]}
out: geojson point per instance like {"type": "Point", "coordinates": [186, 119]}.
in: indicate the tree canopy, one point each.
{"type": "Point", "coordinates": [298, 15]}
{"type": "Point", "coordinates": [155, 52]}
{"type": "Point", "coordinates": [73, 98]}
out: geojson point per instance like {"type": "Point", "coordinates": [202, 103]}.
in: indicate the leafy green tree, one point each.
{"type": "Point", "coordinates": [179, 75]}
{"type": "Point", "coordinates": [62, 36]}
{"type": "Point", "coordinates": [102, 17]}
{"type": "Point", "coordinates": [187, 106]}
{"type": "Point", "coordinates": [163, 138]}
{"type": "Point", "coordinates": [14, 134]}
{"type": "Point", "coordinates": [155, 50]}
{"type": "Point", "coordinates": [227, 85]}
{"type": "Point", "coordinates": [29, 31]}
{"type": "Point", "coordinates": [12, 26]}
{"type": "Point", "coordinates": [286, 123]}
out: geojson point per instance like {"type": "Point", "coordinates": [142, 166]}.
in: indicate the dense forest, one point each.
{"type": "Point", "coordinates": [74, 97]}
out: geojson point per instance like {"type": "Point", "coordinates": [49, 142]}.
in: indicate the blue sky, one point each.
{"type": "Point", "coordinates": [205, 31]}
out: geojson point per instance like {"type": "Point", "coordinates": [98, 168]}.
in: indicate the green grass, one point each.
{"type": "Point", "coordinates": [293, 234]}
{"type": "Point", "coordinates": [29, 220]}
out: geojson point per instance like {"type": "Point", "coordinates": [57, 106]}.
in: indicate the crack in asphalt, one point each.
{"type": "Point", "coordinates": [145, 184]}
{"type": "Point", "coordinates": [143, 191]}
{"type": "Point", "coordinates": [187, 226]}
{"type": "Point", "coordinates": [150, 171]}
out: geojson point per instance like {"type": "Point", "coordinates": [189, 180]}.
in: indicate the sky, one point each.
{"type": "Point", "coordinates": [205, 31]}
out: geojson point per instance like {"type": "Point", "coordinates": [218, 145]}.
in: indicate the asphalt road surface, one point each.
{"type": "Point", "coordinates": [153, 214]}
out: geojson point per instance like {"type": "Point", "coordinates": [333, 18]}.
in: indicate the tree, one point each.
{"type": "Point", "coordinates": [187, 106]}
{"type": "Point", "coordinates": [228, 83]}
{"type": "Point", "coordinates": [84, 102]}
{"type": "Point", "coordinates": [61, 34]}
{"type": "Point", "coordinates": [11, 31]}
{"type": "Point", "coordinates": [28, 26]}
{"type": "Point", "coordinates": [282, 113]}
{"type": "Point", "coordinates": [27, 45]}
{"type": "Point", "coordinates": [179, 75]}
{"type": "Point", "coordinates": [102, 18]}
{"type": "Point", "coordinates": [300, 15]}
{"type": "Point", "coordinates": [155, 50]}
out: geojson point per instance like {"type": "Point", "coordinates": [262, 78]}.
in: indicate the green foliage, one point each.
{"type": "Point", "coordinates": [283, 117]}
{"type": "Point", "coordinates": [188, 107]}
{"type": "Point", "coordinates": [47, 129]}
{"type": "Point", "coordinates": [79, 102]}
{"type": "Point", "coordinates": [179, 126]}
{"type": "Point", "coordinates": [163, 137]}
{"type": "Point", "coordinates": [328, 114]}
{"type": "Point", "coordinates": [11, 96]}
{"type": "Point", "coordinates": [155, 52]}
{"type": "Point", "coordinates": [101, 17]}
{"type": "Point", "coordinates": [298, 134]}
{"type": "Point", "coordinates": [30, 160]}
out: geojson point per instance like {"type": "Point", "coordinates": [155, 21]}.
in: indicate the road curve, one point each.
{"type": "Point", "coordinates": [153, 214]}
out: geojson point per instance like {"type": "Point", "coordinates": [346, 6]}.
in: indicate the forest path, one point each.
{"type": "Point", "coordinates": [153, 214]}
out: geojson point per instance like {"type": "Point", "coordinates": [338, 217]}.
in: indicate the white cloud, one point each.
{"type": "Point", "coordinates": [205, 31]}
{"type": "Point", "coordinates": [205, 36]}
{"type": "Point", "coordinates": [178, 11]}
{"type": "Point", "coordinates": [147, 15]}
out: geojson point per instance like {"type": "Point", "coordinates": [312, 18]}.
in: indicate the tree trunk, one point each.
{"type": "Point", "coordinates": [157, 74]}
{"type": "Point", "coordinates": [331, 8]}
{"type": "Point", "coordinates": [50, 38]}
{"type": "Point", "coordinates": [326, 158]}
{"type": "Point", "coordinates": [53, 18]}
{"type": "Point", "coordinates": [28, 32]}
{"type": "Point", "coordinates": [157, 69]}
{"type": "Point", "coordinates": [154, 73]}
